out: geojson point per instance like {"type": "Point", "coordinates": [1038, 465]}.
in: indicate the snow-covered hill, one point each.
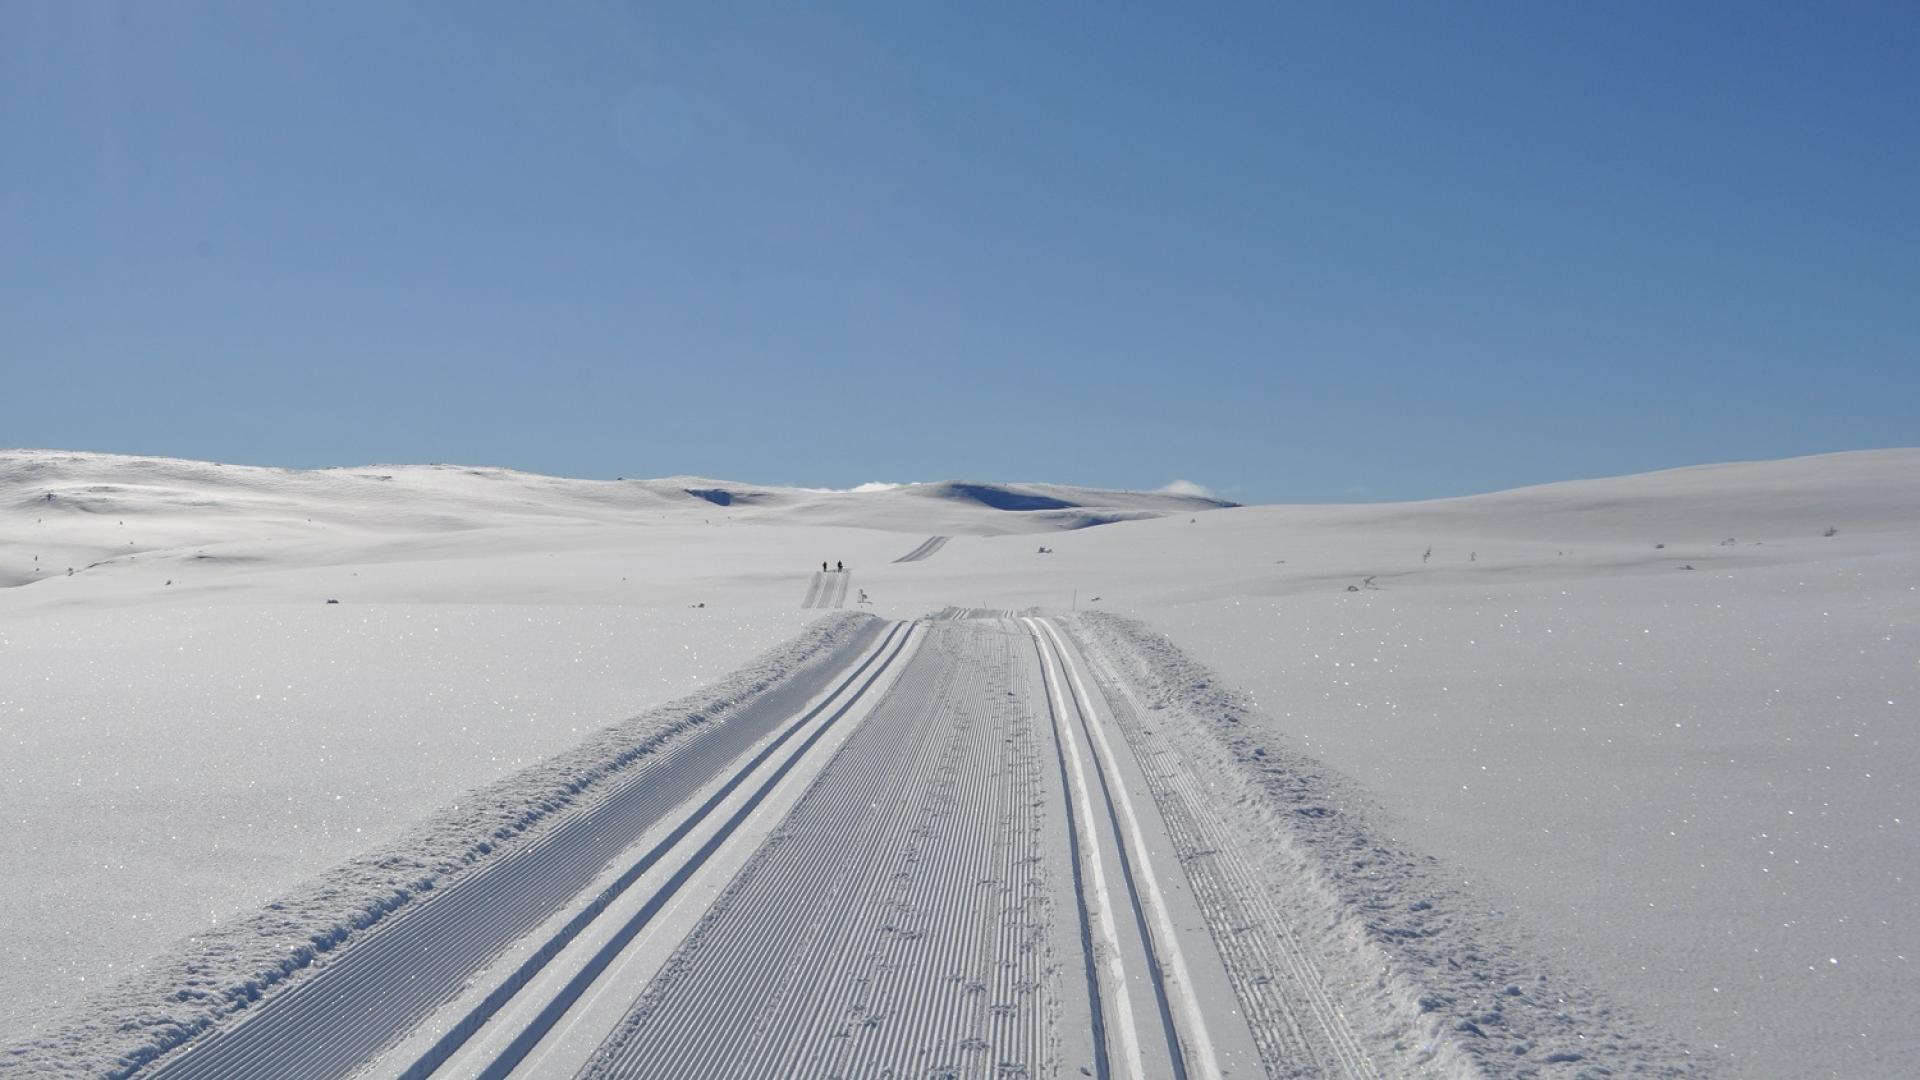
{"type": "Point", "coordinates": [84, 511]}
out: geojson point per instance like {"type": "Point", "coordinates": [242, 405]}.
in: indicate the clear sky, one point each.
{"type": "Point", "coordinates": [1295, 252]}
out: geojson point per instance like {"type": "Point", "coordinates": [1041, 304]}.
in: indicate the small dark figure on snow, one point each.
{"type": "Point", "coordinates": [839, 568]}
{"type": "Point", "coordinates": [823, 566]}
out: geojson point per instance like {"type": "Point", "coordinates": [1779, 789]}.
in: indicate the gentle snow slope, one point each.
{"type": "Point", "coordinates": [1697, 786]}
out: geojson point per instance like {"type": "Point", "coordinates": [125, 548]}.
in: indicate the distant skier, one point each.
{"type": "Point", "coordinates": [839, 568]}
{"type": "Point", "coordinates": [823, 566]}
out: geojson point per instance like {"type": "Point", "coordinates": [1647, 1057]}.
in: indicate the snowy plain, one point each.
{"type": "Point", "coordinates": [1684, 772]}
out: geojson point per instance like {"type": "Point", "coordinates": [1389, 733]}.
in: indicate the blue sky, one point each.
{"type": "Point", "coordinates": [1296, 253]}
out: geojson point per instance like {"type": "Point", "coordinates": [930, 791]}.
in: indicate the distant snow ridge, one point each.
{"type": "Point", "coordinates": [191, 505]}
{"type": "Point", "coordinates": [1027, 497]}
{"type": "Point", "coordinates": [1058, 506]}
{"type": "Point", "coordinates": [1361, 933]}
{"type": "Point", "coordinates": [999, 496]}
{"type": "Point", "coordinates": [180, 994]}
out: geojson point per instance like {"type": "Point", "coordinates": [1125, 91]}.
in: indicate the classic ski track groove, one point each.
{"type": "Point", "coordinates": [1272, 973]}
{"type": "Point", "coordinates": [1182, 1022]}
{"type": "Point", "coordinates": [374, 991]}
{"type": "Point", "coordinates": [896, 923]}
{"type": "Point", "coordinates": [1104, 954]}
{"type": "Point", "coordinates": [926, 549]}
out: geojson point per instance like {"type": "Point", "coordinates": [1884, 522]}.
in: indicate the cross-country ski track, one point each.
{"type": "Point", "coordinates": [828, 589]}
{"type": "Point", "coordinates": [951, 851]}
{"type": "Point", "coordinates": [926, 549]}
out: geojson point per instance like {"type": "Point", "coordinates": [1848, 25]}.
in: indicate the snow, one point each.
{"type": "Point", "coordinates": [1691, 785]}
{"type": "Point", "coordinates": [191, 730]}
{"type": "Point", "coordinates": [227, 965]}
{"type": "Point", "coordinates": [233, 751]}
{"type": "Point", "coordinates": [1399, 950]}
{"type": "Point", "coordinates": [1690, 789]}
{"type": "Point", "coordinates": [1694, 787]}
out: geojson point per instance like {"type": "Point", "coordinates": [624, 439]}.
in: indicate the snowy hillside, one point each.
{"type": "Point", "coordinates": [59, 506]}
{"type": "Point", "coordinates": [1657, 730]}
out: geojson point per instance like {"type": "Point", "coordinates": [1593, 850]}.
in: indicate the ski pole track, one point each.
{"type": "Point", "coordinates": [1273, 975]}
{"type": "Point", "coordinates": [926, 549]}
{"type": "Point", "coordinates": [374, 991]}
{"type": "Point", "coordinates": [895, 925]}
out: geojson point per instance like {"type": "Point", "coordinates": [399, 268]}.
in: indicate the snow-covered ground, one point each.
{"type": "Point", "coordinates": [1692, 787]}
{"type": "Point", "coordinates": [188, 729]}
{"type": "Point", "coordinates": [1696, 786]}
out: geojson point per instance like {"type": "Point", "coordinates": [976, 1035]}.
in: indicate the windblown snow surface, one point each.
{"type": "Point", "coordinates": [1611, 774]}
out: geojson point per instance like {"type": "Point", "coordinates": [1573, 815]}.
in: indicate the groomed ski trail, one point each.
{"type": "Point", "coordinates": [1172, 1011]}
{"type": "Point", "coordinates": [900, 922]}
{"type": "Point", "coordinates": [828, 589]}
{"type": "Point", "coordinates": [982, 820]}
{"type": "Point", "coordinates": [377, 991]}
{"type": "Point", "coordinates": [926, 549]}
{"type": "Point", "coordinates": [965, 855]}
{"type": "Point", "coordinates": [1297, 1020]}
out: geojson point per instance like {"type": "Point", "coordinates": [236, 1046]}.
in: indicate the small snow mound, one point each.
{"type": "Point", "coordinates": [1190, 489]}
